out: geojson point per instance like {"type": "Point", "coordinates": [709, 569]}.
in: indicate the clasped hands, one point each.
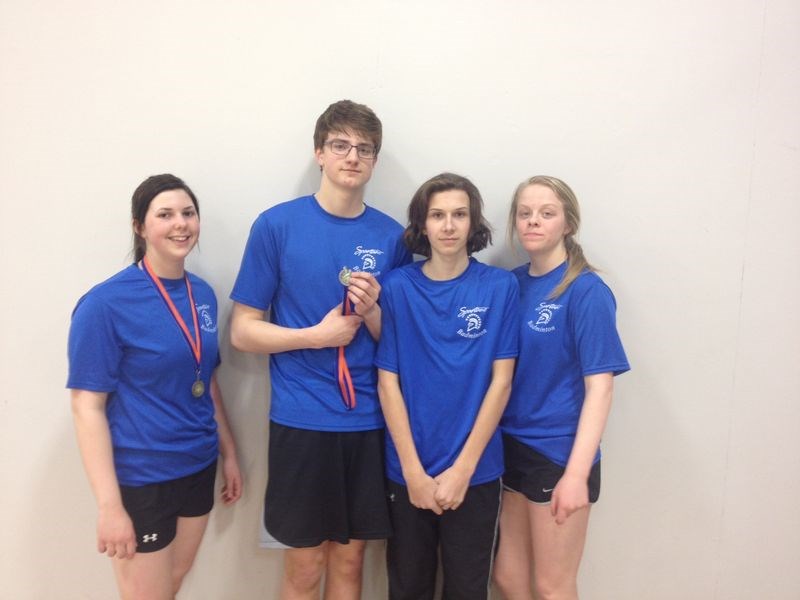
{"type": "Point", "coordinates": [444, 492]}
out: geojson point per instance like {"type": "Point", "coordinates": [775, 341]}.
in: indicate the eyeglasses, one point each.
{"type": "Point", "coordinates": [342, 148]}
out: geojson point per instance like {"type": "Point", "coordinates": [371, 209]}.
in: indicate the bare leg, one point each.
{"type": "Point", "coordinates": [343, 576]}
{"type": "Point", "coordinates": [512, 567]}
{"type": "Point", "coordinates": [557, 552]}
{"type": "Point", "coordinates": [188, 535]}
{"type": "Point", "coordinates": [146, 576]}
{"type": "Point", "coordinates": [302, 572]}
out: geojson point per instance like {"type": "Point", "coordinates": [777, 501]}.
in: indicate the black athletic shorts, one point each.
{"type": "Point", "coordinates": [154, 508]}
{"type": "Point", "coordinates": [325, 485]}
{"type": "Point", "coordinates": [535, 475]}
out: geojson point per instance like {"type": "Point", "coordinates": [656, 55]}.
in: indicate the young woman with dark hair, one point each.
{"type": "Point", "coordinates": [147, 407]}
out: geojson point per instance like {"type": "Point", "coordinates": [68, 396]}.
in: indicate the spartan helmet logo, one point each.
{"type": "Point", "coordinates": [369, 263]}
{"type": "Point", "coordinates": [473, 322]}
{"type": "Point", "coordinates": [545, 315]}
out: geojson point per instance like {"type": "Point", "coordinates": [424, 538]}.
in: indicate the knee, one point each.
{"type": "Point", "coordinates": [347, 565]}
{"type": "Point", "coordinates": [304, 572]}
{"type": "Point", "coordinates": [512, 585]}
{"type": "Point", "coordinates": [179, 571]}
{"type": "Point", "coordinates": [555, 588]}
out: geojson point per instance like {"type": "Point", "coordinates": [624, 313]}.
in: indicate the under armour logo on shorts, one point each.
{"type": "Point", "coordinates": [149, 537]}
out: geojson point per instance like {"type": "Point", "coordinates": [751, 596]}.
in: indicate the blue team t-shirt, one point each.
{"type": "Point", "coordinates": [290, 266]}
{"type": "Point", "coordinates": [125, 342]}
{"type": "Point", "coordinates": [441, 338]}
{"type": "Point", "coordinates": [561, 341]}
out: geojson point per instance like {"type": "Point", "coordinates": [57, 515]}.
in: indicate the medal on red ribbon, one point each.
{"type": "Point", "coordinates": [195, 344]}
{"type": "Point", "coordinates": [342, 371]}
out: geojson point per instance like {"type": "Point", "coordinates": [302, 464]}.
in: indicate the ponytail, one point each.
{"type": "Point", "coordinates": [576, 264]}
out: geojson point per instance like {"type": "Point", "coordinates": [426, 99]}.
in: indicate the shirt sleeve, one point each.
{"type": "Point", "coordinates": [598, 344]}
{"type": "Point", "coordinates": [509, 340]}
{"type": "Point", "coordinates": [259, 272]}
{"type": "Point", "coordinates": [386, 354]}
{"type": "Point", "coordinates": [93, 349]}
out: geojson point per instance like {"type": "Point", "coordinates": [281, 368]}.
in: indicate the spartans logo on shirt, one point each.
{"type": "Point", "coordinates": [206, 321]}
{"type": "Point", "coordinates": [473, 327]}
{"type": "Point", "coordinates": [542, 324]}
{"type": "Point", "coordinates": [369, 260]}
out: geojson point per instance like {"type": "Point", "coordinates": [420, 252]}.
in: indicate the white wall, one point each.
{"type": "Point", "coordinates": [676, 123]}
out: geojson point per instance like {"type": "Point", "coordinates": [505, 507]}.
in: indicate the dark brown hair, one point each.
{"type": "Point", "coordinates": [143, 196]}
{"type": "Point", "coordinates": [480, 232]}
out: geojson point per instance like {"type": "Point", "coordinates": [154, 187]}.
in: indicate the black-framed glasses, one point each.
{"type": "Point", "coordinates": [342, 148]}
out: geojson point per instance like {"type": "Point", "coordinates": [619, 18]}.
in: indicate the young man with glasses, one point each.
{"type": "Point", "coordinates": [315, 263]}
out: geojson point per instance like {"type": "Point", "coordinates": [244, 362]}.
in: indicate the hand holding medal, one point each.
{"type": "Point", "coordinates": [362, 291]}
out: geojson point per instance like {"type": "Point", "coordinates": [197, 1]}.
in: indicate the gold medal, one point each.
{"type": "Point", "coordinates": [198, 389]}
{"type": "Point", "coordinates": [344, 276]}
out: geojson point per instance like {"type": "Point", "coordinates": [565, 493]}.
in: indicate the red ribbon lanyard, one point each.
{"type": "Point", "coordinates": [195, 344]}
{"type": "Point", "coordinates": [342, 372]}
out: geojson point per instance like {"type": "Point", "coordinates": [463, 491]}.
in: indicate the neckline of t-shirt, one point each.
{"type": "Point", "coordinates": [168, 282]}
{"type": "Point", "coordinates": [472, 261]}
{"type": "Point", "coordinates": [335, 218]}
{"type": "Point", "coordinates": [559, 269]}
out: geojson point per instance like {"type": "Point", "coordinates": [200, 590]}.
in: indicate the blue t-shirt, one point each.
{"type": "Point", "coordinates": [561, 342]}
{"type": "Point", "coordinates": [291, 266]}
{"type": "Point", "coordinates": [441, 338]}
{"type": "Point", "coordinates": [124, 341]}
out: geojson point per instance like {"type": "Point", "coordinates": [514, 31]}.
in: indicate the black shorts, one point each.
{"type": "Point", "coordinates": [154, 508]}
{"type": "Point", "coordinates": [465, 538]}
{"type": "Point", "coordinates": [535, 475]}
{"type": "Point", "coordinates": [325, 485]}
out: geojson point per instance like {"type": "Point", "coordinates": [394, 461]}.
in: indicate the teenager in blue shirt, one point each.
{"type": "Point", "coordinates": [314, 265]}
{"type": "Point", "coordinates": [147, 408]}
{"type": "Point", "coordinates": [561, 396]}
{"type": "Point", "coordinates": [445, 360]}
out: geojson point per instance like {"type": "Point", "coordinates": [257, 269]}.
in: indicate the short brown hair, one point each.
{"type": "Point", "coordinates": [346, 115]}
{"type": "Point", "coordinates": [480, 232]}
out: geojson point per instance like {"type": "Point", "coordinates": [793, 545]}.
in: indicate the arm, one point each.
{"type": "Point", "coordinates": [251, 333]}
{"type": "Point", "coordinates": [454, 481]}
{"type": "Point", "coordinates": [232, 488]}
{"type": "Point", "coordinates": [421, 486]}
{"type": "Point", "coordinates": [363, 292]}
{"type": "Point", "coordinates": [572, 492]}
{"type": "Point", "coordinates": [115, 533]}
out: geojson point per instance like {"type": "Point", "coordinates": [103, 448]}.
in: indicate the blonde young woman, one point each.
{"type": "Point", "coordinates": [147, 408]}
{"type": "Point", "coordinates": [561, 395]}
